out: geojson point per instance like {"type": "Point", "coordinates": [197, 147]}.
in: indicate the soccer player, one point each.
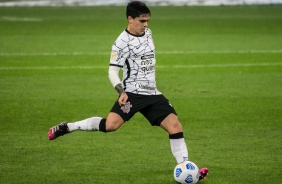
{"type": "Point", "coordinates": [134, 53]}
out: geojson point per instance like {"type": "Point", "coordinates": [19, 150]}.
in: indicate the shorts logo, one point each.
{"type": "Point", "coordinates": [126, 107]}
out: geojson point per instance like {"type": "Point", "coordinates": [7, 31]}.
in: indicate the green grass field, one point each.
{"type": "Point", "coordinates": [221, 68]}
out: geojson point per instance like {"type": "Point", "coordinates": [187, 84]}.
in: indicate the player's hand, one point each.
{"type": "Point", "coordinates": [122, 99]}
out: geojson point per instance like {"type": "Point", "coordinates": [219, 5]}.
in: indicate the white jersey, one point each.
{"type": "Point", "coordinates": [136, 56]}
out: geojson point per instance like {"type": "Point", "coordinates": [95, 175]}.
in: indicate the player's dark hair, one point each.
{"type": "Point", "coordinates": [137, 8]}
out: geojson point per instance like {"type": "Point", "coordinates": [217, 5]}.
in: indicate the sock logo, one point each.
{"type": "Point", "coordinates": [126, 107]}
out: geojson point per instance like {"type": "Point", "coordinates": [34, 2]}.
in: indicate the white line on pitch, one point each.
{"type": "Point", "coordinates": [20, 19]}
{"type": "Point", "coordinates": [219, 52]}
{"type": "Point", "coordinates": [157, 52]}
{"type": "Point", "coordinates": [227, 65]}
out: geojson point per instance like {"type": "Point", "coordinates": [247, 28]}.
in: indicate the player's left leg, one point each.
{"type": "Point", "coordinates": [177, 141]}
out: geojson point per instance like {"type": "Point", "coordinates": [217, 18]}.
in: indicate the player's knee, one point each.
{"type": "Point", "coordinates": [175, 127]}
{"type": "Point", "coordinates": [171, 124]}
{"type": "Point", "coordinates": [178, 126]}
{"type": "Point", "coordinates": [112, 126]}
{"type": "Point", "coordinates": [114, 121]}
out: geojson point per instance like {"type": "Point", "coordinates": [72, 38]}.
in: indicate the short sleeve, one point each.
{"type": "Point", "coordinates": [119, 53]}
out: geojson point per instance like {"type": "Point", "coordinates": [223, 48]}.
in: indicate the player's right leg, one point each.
{"type": "Point", "coordinates": [58, 130]}
{"type": "Point", "coordinates": [112, 123]}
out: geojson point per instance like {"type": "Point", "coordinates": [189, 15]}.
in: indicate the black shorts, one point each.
{"type": "Point", "coordinates": [154, 107]}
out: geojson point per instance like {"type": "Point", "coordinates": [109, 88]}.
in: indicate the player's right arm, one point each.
{"type": "Point", "coordinates": [116, 82]}
{"type": "Point", "coordinates": [119, 54]}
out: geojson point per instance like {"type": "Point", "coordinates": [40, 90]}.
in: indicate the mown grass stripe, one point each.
{"type": "Point", "coordinates": [158, 66]}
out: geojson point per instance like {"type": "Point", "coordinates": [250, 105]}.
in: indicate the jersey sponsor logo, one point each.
{"type": "Point", "coordinates": [147, 65]}
{"type": "Point", "coordinates": [146, 69]}
{"type": "Point", "coordinates": [146, 87]}
{"type": "Point", "coordinates": [146, 62]}
{"type": "Point", "coordinates": [126, 107]}
{"type": "Point", "coordinates": [147, 56]}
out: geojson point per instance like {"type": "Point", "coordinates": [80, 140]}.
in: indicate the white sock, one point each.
{"type": "Point", "coordinates": [179, 149]}
{"type": "Point", "coordinates": [87, 124]}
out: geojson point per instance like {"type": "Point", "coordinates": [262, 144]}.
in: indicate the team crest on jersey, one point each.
{"type": "Point", "coordinates": [126, 107]}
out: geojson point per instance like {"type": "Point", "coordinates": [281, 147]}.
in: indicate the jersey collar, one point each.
{"type": "Point", "coordinates": [134, 34]}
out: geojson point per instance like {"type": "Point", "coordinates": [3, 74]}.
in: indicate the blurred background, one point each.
{"type": "Point", "coordinates": [122, 2]}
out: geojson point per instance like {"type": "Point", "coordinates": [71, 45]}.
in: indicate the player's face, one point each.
{"type": "Point", "coordinates": [138, 25]}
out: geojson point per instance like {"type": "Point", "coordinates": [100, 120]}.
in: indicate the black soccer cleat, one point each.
{"type": "Point", "coordinates": [58, 130]}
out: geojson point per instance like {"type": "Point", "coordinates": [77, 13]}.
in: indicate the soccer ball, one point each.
{"type": "Point", "coordinates": [186, 172]}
